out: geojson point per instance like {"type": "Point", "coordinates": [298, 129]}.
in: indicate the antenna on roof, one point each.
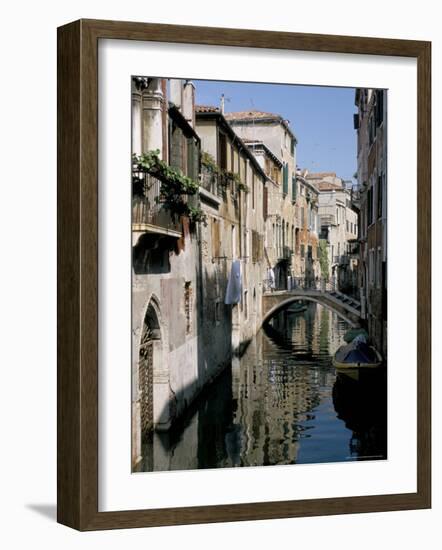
{"type": "Point", "coordinates": [223, 100]}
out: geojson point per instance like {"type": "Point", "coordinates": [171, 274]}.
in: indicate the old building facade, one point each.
{"type": "Point", "coordinates": [371, 125]}
{"type": "Point", "coordinates": [220, 215]}
{"type": "Point", "coordinates": [232, 196]}
{"type": "Point", "coordinates": [306, 267]}
{"type": "Point", "coordinates": [165, 268]}
{"type": "Point", "coordinates": [338, 218]}
{"type": "Point", "coordinates": [291, 231]}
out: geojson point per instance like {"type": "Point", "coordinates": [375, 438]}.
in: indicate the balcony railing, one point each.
{"type": "Point", "coordinates": [283, 252]}
{"type": "Point", "coordinates": [328, 219]}
{"type": "Point", "coordinates": [148, 213]}
{"type": "Point", "coordinates": [211, 182]}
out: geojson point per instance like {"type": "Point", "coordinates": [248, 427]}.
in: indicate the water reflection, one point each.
{"type": "Point", "coordinates": [281, 403]}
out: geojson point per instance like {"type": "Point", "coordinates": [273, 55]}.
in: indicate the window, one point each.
{"type": "Point", "coordinates": [217, 313]}
{"type": "Point", "coordinates": [246, 304]}
{"type": "Point", "coordinates": [215, 239]}
{"type": "Point", "coordinates": [265, 203]}
{"type": "Point", "coordinates": [371, 267]}
{"type": "Point", "coordinates": [379, 268]}
{"type": "Point", "coordinates": [370, 206]}
{"type": "Point", "coordinates": [233, 242]}
{"type": "Point", "coordinates": [302, 251]}
{"type": "Point", "coordinates": [285, 179]}
{"type": "Point", "coordinates": [188, 305]}
{"type": "Point", "coordinates": [379, 107]}
{"type": "Point", "coordinates": [257, 246]}
{"type": "Point", "coordinates": [294, 188]}
{"type": "Point", "coordinates": [222, 151]}
{"type": "Point", "coordinates": [253, 190]}
{"type": "Point", "coordinates": [371, 129]}
{"type": "Point", "coordinates": [380, 193]}
{"type": "Point", "coordinates": [302, 217]}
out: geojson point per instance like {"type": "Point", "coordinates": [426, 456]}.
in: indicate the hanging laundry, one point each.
{"type": "Point", "coordinates": [234, 284]}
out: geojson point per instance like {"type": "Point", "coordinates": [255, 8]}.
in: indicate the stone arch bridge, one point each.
{"type": "Point", "coordinates": [344, 306]}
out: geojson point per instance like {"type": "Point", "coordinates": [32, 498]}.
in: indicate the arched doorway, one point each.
{"type": "Point", "coordinates": [150, 333]}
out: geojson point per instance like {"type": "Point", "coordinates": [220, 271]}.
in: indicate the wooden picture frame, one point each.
{"type": "Point", "coordinates": [78, 274]}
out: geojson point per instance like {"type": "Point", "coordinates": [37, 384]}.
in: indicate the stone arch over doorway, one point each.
{"type": "Point", "coordinates": [147, 358]}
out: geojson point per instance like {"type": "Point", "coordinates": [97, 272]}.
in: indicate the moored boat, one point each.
{"type": "Point", "coordinates": [351, 334]}
{"type": "Point", "coordinates": [357, 355]}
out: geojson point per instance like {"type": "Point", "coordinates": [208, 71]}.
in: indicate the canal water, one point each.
{"type": "Point", "coordinates": [282, 402]}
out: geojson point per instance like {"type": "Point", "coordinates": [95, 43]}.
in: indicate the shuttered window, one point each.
{"type": "Point", "coordinates": [265, 205]}
{"type": "Point", "coordinates": [257, 247]}
{"type": "Point", "coordinates": [285, 179]}
{"type": "Point", "coordinates": [215, 239]}
{"type": "Point", "coordinates": [294, 189]}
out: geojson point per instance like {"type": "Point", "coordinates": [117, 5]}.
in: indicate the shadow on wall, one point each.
{"type": "Point", "coordinates": [150, 256]}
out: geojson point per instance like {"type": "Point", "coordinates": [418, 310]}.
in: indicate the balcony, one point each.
{"type": "Point", "coordinates": [211, 182]}
{"type": "Point", "coordinates": [327, 219]}
{"type": "Point", "coordinates": [284, 252]}
{"type": "Point", "coordinates": [148, 214]}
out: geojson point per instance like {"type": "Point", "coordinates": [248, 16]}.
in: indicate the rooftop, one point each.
{"type": "Point", "coordinates": [320, 175]}
{"type": "Point", "coordinates": [206, 109]}
{"type": "Point", "coordinates": [262, 116]}
{"type": "Point", "coordinates": [252, 115]}
{"type": "Point", "coordinates": [256, 144]}
{"type": "Point", "coordinates": [328, 186]}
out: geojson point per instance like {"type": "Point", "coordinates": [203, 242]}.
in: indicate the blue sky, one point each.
{"type": "Point", "coordinates": [320, 117]}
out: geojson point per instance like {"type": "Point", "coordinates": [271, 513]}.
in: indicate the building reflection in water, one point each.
{"type": "Point", "coordinates": [280, 403]}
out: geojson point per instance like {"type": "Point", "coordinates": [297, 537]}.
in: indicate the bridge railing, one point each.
{"type": "Point", "coordinates": [302, 283]}
{"type": "Point", "coordinates": [312, 283]}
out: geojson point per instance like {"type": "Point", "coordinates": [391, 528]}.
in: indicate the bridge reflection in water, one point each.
{"type": "Point", "coordinates": [281, 403]}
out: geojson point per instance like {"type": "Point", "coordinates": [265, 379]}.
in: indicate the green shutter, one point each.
{"type": "Point", "coordinates": [285, 181]}
{"type": "Point", "coordinates": [294, 188]}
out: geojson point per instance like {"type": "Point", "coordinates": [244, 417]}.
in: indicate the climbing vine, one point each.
{"type": "Point", "coordinates": [323, 259]}
{"type": "Point", "coordinates": [175, 186]}
{"type": "Point", "coordinates": [227, 178]}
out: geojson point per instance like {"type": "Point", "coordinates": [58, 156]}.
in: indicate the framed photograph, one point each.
{"type": "Point", "coordinates": [243, 274]}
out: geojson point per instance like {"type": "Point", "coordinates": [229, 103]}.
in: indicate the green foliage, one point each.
{"type": "Point", "coordinates": [233, 177]}
{"type": "Point", "coordinates": [175, 186]}
{"type": "Point", "coordinates": [227, 177]}
{"type": "Point", "coordinates": [209, 162]}
{"type": "Point", "coordinates": [323, 259]}
{"type": "Point", "coordinates": [243, 187]}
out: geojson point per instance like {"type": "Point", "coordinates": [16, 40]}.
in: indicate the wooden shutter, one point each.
{"type": "Point", "coordinates": [215, 239]}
